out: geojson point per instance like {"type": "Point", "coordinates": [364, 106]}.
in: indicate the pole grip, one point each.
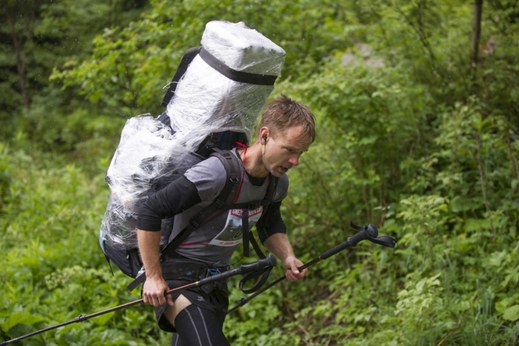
{"type": "Point", "coordinates": [270, 261]}
{"type": "Point", "coordinates": [368, 232]}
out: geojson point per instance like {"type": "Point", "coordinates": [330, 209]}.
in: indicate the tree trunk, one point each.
{"type": "Point", "coordinates": [476, 32]}
{"type": "Point", "coordinates": [20, 59]}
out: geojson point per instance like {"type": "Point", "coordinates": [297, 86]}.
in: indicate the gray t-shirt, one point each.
{"type": "Point", "coordinates": [216, 240]}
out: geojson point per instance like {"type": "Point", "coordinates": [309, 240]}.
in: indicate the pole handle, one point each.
{"type": "Point", "coordinates": [368, 232]}
{"type": "Point", "coordinates": [261, 264]}
{"type": "Point", "coordinates": [270, 261]}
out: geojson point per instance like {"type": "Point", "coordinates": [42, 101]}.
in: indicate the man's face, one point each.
{"type": "Point", "coordinates": [283, 150]}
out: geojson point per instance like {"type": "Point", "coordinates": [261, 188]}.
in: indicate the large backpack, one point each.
{"type": "Point", "coordinates": [156, 169]}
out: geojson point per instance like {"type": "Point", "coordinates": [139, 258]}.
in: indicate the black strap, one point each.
{"type": "Point", "coordinates": [189, 55]}
{"type": "Point", "coordinates": [237, 76]}
{"type": "Point", "coordinates": [245, 232]}
{"type": "Point", "coordinates": [233, 178]}
{"type": "Point", "coordinates": [247, 235]}
{"type": "Point", "coordinates": [256, 246]}
{"type": "Point", "coordinates": [260, 276]}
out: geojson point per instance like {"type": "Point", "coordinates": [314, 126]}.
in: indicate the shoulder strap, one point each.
{"type": "Point", "coordinates": [229, 194]}
{"type": "Point", "coordinates": [247, 236]}
{"type": "Point", "coordinates": [189, 55]}
{"type": "Point", "coordinates": [230, 189]}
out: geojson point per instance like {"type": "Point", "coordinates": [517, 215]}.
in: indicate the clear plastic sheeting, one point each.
{"type": "Point", "coordinates": [206, 101]}
{"type": "Point", "coordinates": [150, 154]}
{"type": "Point", "coordinates": [141, 165]}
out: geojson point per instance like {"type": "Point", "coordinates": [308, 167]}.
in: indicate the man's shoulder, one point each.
{"type": "Point", "coordinates": [210, 171]}
{"type": "Point", "coordinates": [282, 188]}
{"type": "Point", "coordinates": [283, 180]}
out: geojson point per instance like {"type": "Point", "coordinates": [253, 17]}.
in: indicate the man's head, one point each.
{"type": "Point", "coordinates": [286, 130]}
{"type": "Point", "coordinates": [283, 113]}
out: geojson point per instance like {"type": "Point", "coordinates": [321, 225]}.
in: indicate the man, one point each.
{"type": "Point", "coordinates": [285, 132]}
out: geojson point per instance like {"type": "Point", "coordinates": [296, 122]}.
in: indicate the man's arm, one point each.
{"type": "Point", "coordinates": [272, 233]}
{"type": "Point", "coordinates": [155, 286]}
{"type": "Point", "coordinates": [175, 198]}
{"type": "Point", "coordinates": [279, 245]}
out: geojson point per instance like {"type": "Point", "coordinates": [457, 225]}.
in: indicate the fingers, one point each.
{"type": "Point", "coordinates": [169, 299]}
{"type": "Point", "coordinates": [154, 293]}
{"type": "Point", "coordinates": [155, 298]}
{"type": "Point", "coordinates": [295, 275]}
{"type": "Point", "coordinates": [292, 273]}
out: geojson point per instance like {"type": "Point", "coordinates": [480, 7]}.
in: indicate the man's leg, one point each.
{"type": "Point", "coordinates": [198, 327]}
{"type": "Point", "coordinates": [172, 311]}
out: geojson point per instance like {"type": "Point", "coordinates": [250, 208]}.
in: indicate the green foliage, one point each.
{"type": "Point", "coordinates": [53, 269]}
{"type": "Point", "coordinates": [431, 40]}
{"type": "Point", "coordinates": [368, 123]}
{"type": "Point", "coordinates": [411, 137]}
{"type": "Point", "coordinates": [86, 134]}
{"type": "Point", "coordinates": [130, 66]}
{"type": "Point", "coordinates": [39, 36]}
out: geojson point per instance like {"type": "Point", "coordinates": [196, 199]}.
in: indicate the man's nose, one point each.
{"type": "Point", "coordinates": [294, 161]}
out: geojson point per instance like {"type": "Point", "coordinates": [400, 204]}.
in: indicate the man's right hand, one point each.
{"type": "Point", "coordinates": [154, 292]}
{"type": "Point", "coordinates": [155, 288]}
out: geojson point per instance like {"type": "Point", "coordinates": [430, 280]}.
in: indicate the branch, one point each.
{"type": "Point", "coordinates": [450, 333]}
{"type": "Point", "coordinates": [418, 30]}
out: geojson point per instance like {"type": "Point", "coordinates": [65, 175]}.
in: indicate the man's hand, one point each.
{"type": "Point", "coordinates": [154, 292]}
{"type": "Point", "coordinates": [279, 245]}
{"type": "Point", "coordinates": [155, 288]}
{"type": "Point", "coordinates": [293, 274]}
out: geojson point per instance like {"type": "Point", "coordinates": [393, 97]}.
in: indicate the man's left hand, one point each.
{"type": "Point", "coordinates": [293, 274]}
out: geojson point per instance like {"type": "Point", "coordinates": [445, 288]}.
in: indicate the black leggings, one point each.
{"type": "Point", "coordinates": [198, 327]}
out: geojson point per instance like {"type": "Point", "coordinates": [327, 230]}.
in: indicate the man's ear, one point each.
{"type": "Point", "coordinates": [263, 135]}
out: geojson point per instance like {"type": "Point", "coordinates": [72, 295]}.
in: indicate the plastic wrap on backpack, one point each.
{"type": "Point", "coordinates": [142, 164]}
{"type": "Point", "coordinates": [206, 101]}
{"type": "Point", "coordinates": [150, 154]}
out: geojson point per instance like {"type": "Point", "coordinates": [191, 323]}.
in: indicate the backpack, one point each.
{"type": "Point", "coordinates": [149, 155]}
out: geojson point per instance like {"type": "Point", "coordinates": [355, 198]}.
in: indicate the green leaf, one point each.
{"type": "Point", "coordinates": [512, 313]}
{"type": "Point", "coordinates": [103, 319]}
{"type": "Point", "coordinates": [20, 318]}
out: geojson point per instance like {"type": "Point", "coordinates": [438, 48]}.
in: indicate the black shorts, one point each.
{"type": "Point", "coordinates": [213, 296]}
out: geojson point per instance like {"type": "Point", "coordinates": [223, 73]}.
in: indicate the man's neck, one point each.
{"type": "Point", "coordinates": [252, 161]}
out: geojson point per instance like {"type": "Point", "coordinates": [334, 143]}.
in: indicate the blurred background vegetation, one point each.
{"type": "Point", "coordinates": [417, 104]}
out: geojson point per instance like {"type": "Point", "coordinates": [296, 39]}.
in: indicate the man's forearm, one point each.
{"type": "Point", "coordinates": [279, 245]}
{"type": "Point", "coordinates": [149, 247]}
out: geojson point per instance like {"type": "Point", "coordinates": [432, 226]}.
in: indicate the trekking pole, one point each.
{"type": "Point", "coordinates": [369, 232]}
{"type": "Point", "coordinates": [262, 264]}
